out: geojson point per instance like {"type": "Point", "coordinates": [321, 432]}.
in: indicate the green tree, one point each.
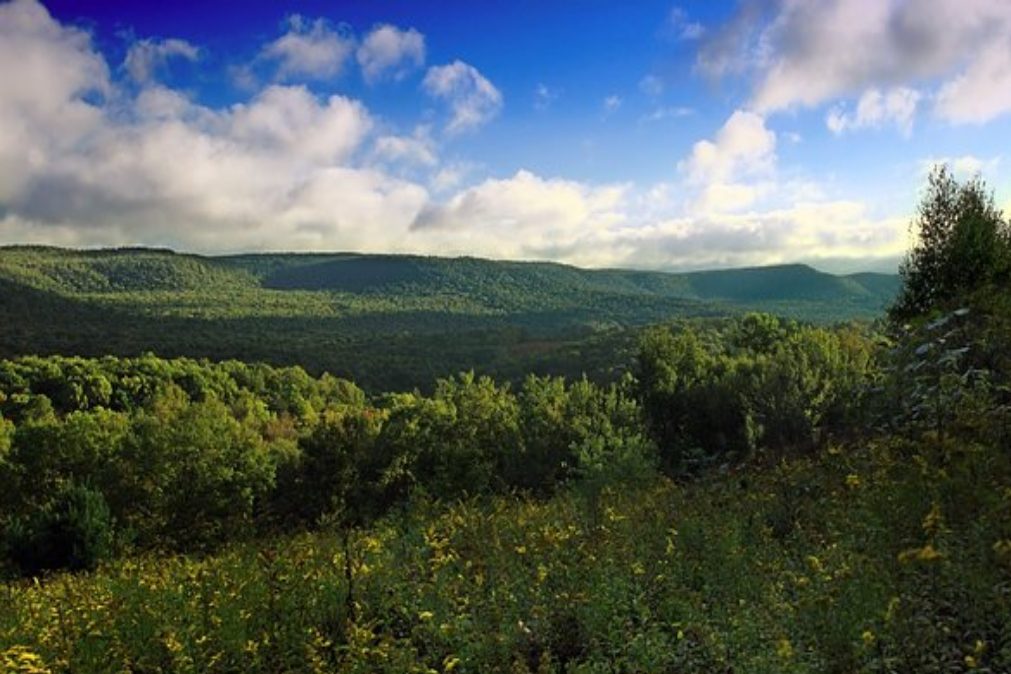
{"type": "Point", "coordinates": [73, 530]}
{"type": "Point", "coordinates": [962, 244]}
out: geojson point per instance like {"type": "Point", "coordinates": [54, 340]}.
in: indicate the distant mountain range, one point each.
{"type": "Point", "coordinates": [374, 316]}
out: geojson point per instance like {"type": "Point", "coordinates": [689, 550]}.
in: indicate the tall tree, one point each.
{"type": "Point", "coordinates": [962, 244]}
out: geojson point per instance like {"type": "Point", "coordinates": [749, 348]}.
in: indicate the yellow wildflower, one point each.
{"type": "Point", "coordinates": [868, 638]}
{"type": "Point", "coordinates": [933, 522]}
{"type": "Point", "coordinates": [893, 606]}
{"type": "Point", "coordinates": [925, 554]}
{"type": "Point", "coordinates": [784, 649]}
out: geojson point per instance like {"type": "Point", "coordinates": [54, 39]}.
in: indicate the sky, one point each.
{"type": "Point", "coordinates": [643, 134]}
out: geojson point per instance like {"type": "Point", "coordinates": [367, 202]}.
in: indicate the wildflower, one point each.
{"type": "Point", "coordinates": [925, 554]}
{"type": "Point", "coordinates": [426, 615]}
{"type": "Point", "coordinates": [868, 638]}
{"type": "Point", "coordinates": [450, 663]}
{"type": "Point", "coordinates": [934, 521]}
{"type": "Point", "coordinates": [893, 606]}
{"type": "Point", "coordinates": [784, 649]}
{"type": "Point", "coordinates": [970, 662]}
{"type": "Point", "coordinates": [20, 659]}
{"type": "Point", "coordinates": [852, 480]}
{"type": "Point", "coordinates": [521, 549]}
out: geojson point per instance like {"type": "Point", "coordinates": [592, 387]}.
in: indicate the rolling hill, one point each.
{"type": "Point", "coordinates": [387, 321]}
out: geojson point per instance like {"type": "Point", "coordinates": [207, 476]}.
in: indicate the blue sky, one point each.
{"type": "Point", "coordinates": [646, 134]}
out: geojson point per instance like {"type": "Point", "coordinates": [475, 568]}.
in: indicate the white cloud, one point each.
{"type": "Point", "coordinates": [651, 85]}
{"type": "Point", "coordinates": [743, 147]}
{"type": "Point", "coordinates": [289, 121]}
{"type": "Point", "coordinates": [288, 169]}
{"type": "Point", "coordinates": [472, 98]}
{"type": "Point", "coordinates": [45, 72]}
{"type": "Point", "coordinates": [875, 109]}
{"type": "Point", "coordinates": [612, 103]}
{"type": "Point", "coordinates": [416, 149]}
{"type": "Point", "coordinates": [278, 171]}
{"type": "Point", "coordinates": [826, 230]}
{"type": "Point", "coordinates": [525, 216]}
{"type": "Point", "coordinates": [388, 50]}
{"type": "Point", "coordinates": [673, 112]}
{"type": "Point", "coordinates": [146, 57]}
{"type": "Point", "coordinates": [982, 91]}
{"type": "Point", "coordinates": [964, 166]}
{"type": "Point", "coordinates": [683, 28]}
{"type": "Point", "coordinates": [806, 53]}
{"type": "Point", "coordinates": [309, 49]}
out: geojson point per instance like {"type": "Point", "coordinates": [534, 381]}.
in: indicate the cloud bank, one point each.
{"type": "Point", "coordinates": [800, 53]}
{"type": "Point", "coordinates": [89, 158]}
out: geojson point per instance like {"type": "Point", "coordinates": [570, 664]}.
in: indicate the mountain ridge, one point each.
{"type": "Point", "coordinates": [388, 321]}
{"type": "Point", "coordinates": [364, 272]}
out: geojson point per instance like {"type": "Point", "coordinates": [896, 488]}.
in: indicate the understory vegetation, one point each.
{"type": "Point", "coordinates": [753, 494]}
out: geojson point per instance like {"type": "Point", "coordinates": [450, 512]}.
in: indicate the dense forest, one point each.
{"type": "Point", "coordinates": [384, 321]}
{"type": "Point", "coordinates": [748, 493]}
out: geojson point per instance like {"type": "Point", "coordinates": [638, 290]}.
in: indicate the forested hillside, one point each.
{"type": "Point", "coordinates": [752, 494]}
{"type": "Point", "coordinates": [384, 320]}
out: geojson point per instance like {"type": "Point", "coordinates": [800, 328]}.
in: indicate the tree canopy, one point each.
{"type": "Point", "coordinates": [963, 243]}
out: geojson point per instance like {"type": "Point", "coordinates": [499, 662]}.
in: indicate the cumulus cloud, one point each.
{"type": "Point", "coordinates": [806, 53]}
{"type": "Point", "coordinates": [875, 109]}
{"type": "Point", "coordinates": [742, 148]}
{"type": "Point", "coordinates": [981, 92]}
{"type": "Point", "coordinates": [612, 103]}
{"type": "Point", "coordinates": [146, 57]}
{"type": "Point", "coordinates": [525, 216]}
{"type": "Point", "coordinates": [309, 49]}
{"type": "Point", "coordinates": [86, 162]}
{"type": "Point", "coordinates": [278, 171]}
{"type": "Point", "coordinates": [46, 70]}
{"type": "Point", "coordinates": [390, 51]}
{"type": "Point", "coordinates": [809, 231]}
{"type": "Point", "coordinates": [472, 99]}
{"type": "Point", "coordinates": [416, 149]}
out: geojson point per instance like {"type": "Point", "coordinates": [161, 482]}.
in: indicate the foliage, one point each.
{"type": "Point", "coordinates": [383, 321]}
{"type": "Point", "coordinates": [891, 561]}
{"type": "Point", "coordinates": [963, 243]}
{"type": "Point", "coordinates": [73, 530]}
{"type": "Point", "coordinates": [190, 455]}
{"type": "Point", "coordinates": [759, 385]}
